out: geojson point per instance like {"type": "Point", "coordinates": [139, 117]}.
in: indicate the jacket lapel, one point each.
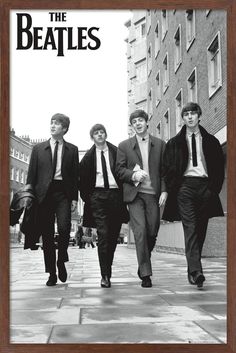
{"type": "Point", "coordinates": [135, 147]}
{"type": "Point", "coordinates": [48, 152]}
{"type": "Point", "coordinates": [65, 153]}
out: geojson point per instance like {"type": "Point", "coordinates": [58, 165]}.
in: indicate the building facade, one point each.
{"type": "Point", "coordinates": [183, 58]}
{"type": "Point", "coordinates": [20, 151]}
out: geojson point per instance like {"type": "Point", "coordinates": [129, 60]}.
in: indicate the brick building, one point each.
{"type": "Point", "coordinates": [176, 56]}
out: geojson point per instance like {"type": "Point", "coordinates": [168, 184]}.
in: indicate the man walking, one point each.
{"type": "Point", "coordinates": [101, 191]}
{"type": "Point", "coordinates": [139, 164]}
{"type": "Point", "coordinates": [194, 174]}
{"type": "Point", "coordinates": [53, 174]}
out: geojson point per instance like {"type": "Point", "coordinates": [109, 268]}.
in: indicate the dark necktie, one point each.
{"type": "Point", "coordinates": [194, 152]}
{"type": "Point", "coordinates": [54, 161]}
{"type": "Point", "coordinates": [104, 171]}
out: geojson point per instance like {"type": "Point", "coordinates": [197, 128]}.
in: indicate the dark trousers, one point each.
{"type": "Point", "coordinates": [145, 222]}
{"type": "Point", "coordinates": [55, 205]}
{"type": "Point", "coordinates": [193, 202]}
{"type": "Point", "coordinates": [106, 207]}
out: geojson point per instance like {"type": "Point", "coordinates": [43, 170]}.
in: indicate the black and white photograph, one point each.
{"type": "Point", "coordinates": [118, 176]}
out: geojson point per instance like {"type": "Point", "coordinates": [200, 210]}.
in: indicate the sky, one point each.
{"type": "Point", "coordinates": [89, 86]}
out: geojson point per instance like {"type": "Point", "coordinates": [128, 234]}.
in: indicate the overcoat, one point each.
{"type": "Point", "coordinates": [175, 163]}
{"type": "Point", "coordinates": [129, 155]}
{"type": "Point", "coordinates": [40, 170]}
{"type": "Point", "coordinates": [87, 180]}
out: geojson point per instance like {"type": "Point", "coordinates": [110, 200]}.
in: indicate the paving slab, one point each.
{"type": "Point", "coordinates": [116, 300]}
{"type": "Point", "coordinates": [184, 332]}
{"type": "Point", "coordinates": [216, 328]}
{"type": "Point", "coordinates": [146, 313]}
{"type": "Point", "coordinates": [30, 334]}
{"type": "Point", "coordinates": [45, 317]}
{"type": "Point", "coordinates": [35, 304]}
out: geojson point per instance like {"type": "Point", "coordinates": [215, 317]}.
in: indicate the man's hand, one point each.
{"type": "Point", "coordinates": [139, 176]}
{"type": "Point", "coordinates": [73, 205]}
{"type": "Point", "coordinates": [163, 198]}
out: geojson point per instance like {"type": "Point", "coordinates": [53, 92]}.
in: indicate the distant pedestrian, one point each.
{"type": "Point", "coordinates": [194, 174]}
{"type": "Point", "coordinates": [53, 174]}
{"type": "Point", "coordinates": [88, 237]}
{"type": "Point", "coordinates": [79, 236]}
{"type": "Point", "coordinates": [139, 165]}
{"type": "Point", "coordinates": [101, 191]}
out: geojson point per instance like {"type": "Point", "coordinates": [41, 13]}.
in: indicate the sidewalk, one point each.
{"type": "Point", "coordinates": [80, 311]}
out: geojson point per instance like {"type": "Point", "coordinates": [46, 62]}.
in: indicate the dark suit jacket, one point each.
{"type": "Point", "coordinates": [40, 170]}
{"type": "Point", "coordinates": [175, 164]}
{"type": "Point", "coordinates": [88, 167]}
{"type": "Point", "coordinates": [129, 155]}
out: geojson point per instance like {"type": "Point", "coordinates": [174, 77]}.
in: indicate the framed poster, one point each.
{"type": "Point", "coordinates": [84, 34]}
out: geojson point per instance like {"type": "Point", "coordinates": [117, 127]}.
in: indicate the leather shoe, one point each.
{"type": "Point", "coordinates": [52, 280]}
{"type": "Point", "coordinates": [62, 274]}
{"type": "Point", "coordinates": [190, 279]}
{"type": "Point", "coordinates": [105, 282]}
{"type": "Point", "coordinates": [146, 282]}
{"type": "Point", "coordinates": [198, 278]}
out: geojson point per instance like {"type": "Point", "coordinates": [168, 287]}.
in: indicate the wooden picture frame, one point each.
{"type": "Point", "coordinates": [5, 8]}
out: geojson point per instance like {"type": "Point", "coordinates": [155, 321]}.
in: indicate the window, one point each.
{"type": "Point", "coordinates": [12, 173]}
{"type": "Point", "coordinates": [26, 156]}
{"type": "Point", "coordinates": [140, 30]}
{"type": "Point", "coordinates": [11, 151]}
{"type": "Point", "coordinates": [190, 27]}
{"type": "Point", "coordinates": [192, 86]}
{"type": "Point", "coordinates": [166, 126]}
{"type": "Point", "coordinates": [142, 105]}
{"type": "Point", "coordinates": [141, 72]}
{"type": "Point", "coordinates": [149, 61]}
{"type": "Point", "coordinates": [16, 153]}
{"type": "Point", "coordinates": [150, 110]}
{"type": "Point", "coordinates": [26, 174]}
{"type": "Point", "coordinates": [214, 65]}
{"type": "Point", "coordinates": [177, 52]}
{"type": "Point", "coordinates": [17, 175]}
{"type": "Point", "coordinates": [159, 130]}
{"type": "Point", "coordinates": [148, 20]}
{"type": "Point", "coordinates": [158, 89]}
{"type": "Point", "coordinates": [207, 12]}
{"type": "Point", "coordinates": [22, 177]}
{"type": "Point", "coordinates": [178, 109]}
{"type": "Point", "coordinates": [21, 155]}
{"type": "Point", "coordinates": [164, 23]}
{"type": "Point", "coordinates": [157, 39]}
{"type": "Point", "coordinates": [165, 73]}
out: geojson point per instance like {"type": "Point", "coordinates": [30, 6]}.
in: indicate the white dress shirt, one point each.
{"type": "Point", "coordinates": [99, 175]}
{"type": "Point", "coordinates": [200, 170]}
{"type": "Point", "coordinates": [57, 175]}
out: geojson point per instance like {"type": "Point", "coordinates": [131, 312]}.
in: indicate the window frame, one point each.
{"type": "Point", "coordinates": [190, 96]}
{"type": "Point", "coordinates": [213, 88]}
{"type": "Point", "coordinates": [177, 64]}
{"type": "Point", "coordinates": [190, 41]}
